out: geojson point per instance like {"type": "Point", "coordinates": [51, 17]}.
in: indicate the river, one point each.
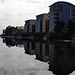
{"type": "Point", "coordinates": [34, 57]}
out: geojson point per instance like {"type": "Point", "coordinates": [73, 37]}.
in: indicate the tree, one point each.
{"type": "Point", "coordinates": [59, 26]}
{"type": "Point", "coordinates": [69, 29]}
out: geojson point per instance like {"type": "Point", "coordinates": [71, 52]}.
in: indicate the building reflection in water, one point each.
{"type": "Point", "coordinates": [59, 56]}
{"type": "Point", "coordinates": [13, 42]}
{"type": "Point", "coordinates": [29, 47]}
{"type": "Point", "coordinates": [63, 60]}
{"type": "Point", "coordinates": [42, 51]}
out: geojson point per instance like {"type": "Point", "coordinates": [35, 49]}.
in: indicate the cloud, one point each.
{"type": "Point", "coordinates": [20, 9]}
{"type": "Point", "coordinates": [32, 1]}
{"type": "Point", "coordinates": [2, 0]}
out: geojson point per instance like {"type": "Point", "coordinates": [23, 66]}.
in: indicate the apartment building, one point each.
{"type": "Point", "coordinates": [60, 11]}
{"type": "Point", "coordinates": [42, 23]}
{"type": "Point", "coordinates": [30, 26]}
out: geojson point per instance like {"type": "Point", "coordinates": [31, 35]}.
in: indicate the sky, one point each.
{"type": "Point", "coordinates": [16, 12]}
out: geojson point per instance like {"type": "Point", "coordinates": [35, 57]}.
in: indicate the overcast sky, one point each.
{"type": "Point", "coordinates": [15, 12]}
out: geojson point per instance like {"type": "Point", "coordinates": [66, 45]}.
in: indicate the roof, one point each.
{"type": "Point", "coordinates": [30, 20]}
{"type": "Point", "coordinates": [42, 14]}
{"type": "Point", "coordinates": [62, 2]}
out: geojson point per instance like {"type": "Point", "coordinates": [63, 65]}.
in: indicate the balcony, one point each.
{"type": "Point", "coordinates": [73, 11]}
{"type": "Point", "coordinates": [57, 10]}
{"type": "Point", "coordinates": [73, 18]}
{"type": "Point", "coordinates": [73, 15]}
{"type": "Point", "coordinates": [57, 18]}
{"type": "Point", "coordinates": [57, 14]}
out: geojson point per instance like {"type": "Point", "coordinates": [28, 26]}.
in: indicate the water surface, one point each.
{"type": "Point", "coordinates": [28, 57]}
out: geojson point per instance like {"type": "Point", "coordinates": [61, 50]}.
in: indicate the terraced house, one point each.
{"type": "Point", "coordinates": [42, 23]}
{"type": "Point", "coordinates": [60, 11]}
{"type": "Point", "coordinates": [30, 26]}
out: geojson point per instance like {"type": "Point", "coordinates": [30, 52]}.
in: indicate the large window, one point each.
{"type": "Point", "coordinates": [47, 25]}
{"type": "Point", "coordinates": [41, 26]}
{"type": "Point", "coordinates": [33, 28]}
{"type": "Point", "coordinates": [28, 28]}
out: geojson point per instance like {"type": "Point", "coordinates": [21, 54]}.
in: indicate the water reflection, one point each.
{"type": "Point", "coordinates": [13, 42]}
{"type": "Point", "coordinates": [63, 59]}
{"type": "Point", "coordinates": [60, 56]}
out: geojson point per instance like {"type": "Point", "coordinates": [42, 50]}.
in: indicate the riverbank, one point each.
{"type": "Point", "coordinates": [12, 37]}
{"type": "Point", "coordinates": [33, 38]}
{"type": "Point", "coordinates": [64, 40]}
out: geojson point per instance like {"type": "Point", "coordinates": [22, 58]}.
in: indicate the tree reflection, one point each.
{"type": "Point", "coordinates": [63, 59]}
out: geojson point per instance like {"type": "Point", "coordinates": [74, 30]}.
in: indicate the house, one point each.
{"type": "Point", "coordinates": [60, 11]}
{"type": "Point", "coordinates": [9, 30]}
{"type": "Point", "coordinates": [42, 23]}
{"type": "Point", "coordinates": [19, 30]}
{"type": "Point", "coordinates": [29, 26]}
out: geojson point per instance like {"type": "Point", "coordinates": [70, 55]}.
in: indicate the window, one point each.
{"type": "Point", "coordinates": [47, 25]}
